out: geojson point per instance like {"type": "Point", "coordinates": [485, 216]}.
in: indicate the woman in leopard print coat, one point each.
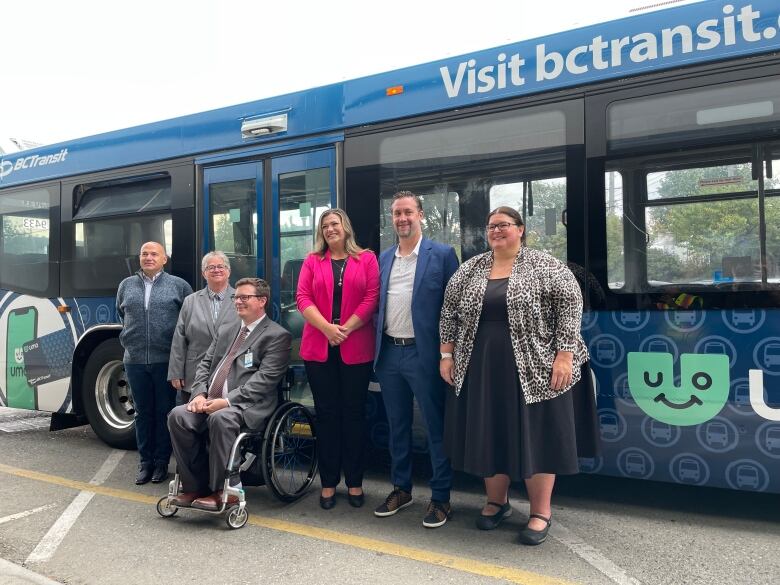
{"type": "Point", "coordinates": [511, 347]}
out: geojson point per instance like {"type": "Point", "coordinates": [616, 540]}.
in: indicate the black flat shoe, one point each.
{"type": "Point", "coordinates": [491, 521]}
{"type": "Point", "coordinates": [144, 474]}
{"type": "Point", "coordinates": [534, 537]}
{"type": "Point", "coordinates": [327, 503]}
{"type": "Point", "coordinates": [356, 501]}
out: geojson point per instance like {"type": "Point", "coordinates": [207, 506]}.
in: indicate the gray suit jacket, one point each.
{"type": "Point", "coordinates": [251, 388]}
{"type": "Point", "coordinates": [195, 330]}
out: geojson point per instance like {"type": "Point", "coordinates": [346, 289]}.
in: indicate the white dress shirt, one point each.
{"type": "Point", "coordinates": [398, 310]}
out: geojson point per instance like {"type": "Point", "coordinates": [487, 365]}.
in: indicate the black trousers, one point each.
{"type": "Point", "coordinates": [340, 392]}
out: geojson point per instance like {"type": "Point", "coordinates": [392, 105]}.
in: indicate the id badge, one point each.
{"type": "Point", "coordinates": [248, 359]}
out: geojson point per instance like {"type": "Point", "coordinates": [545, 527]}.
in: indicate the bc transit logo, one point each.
{"type": "Point", "coordinates": [34, 160]}
{"type": "Point", "coordinates": [5, 168]}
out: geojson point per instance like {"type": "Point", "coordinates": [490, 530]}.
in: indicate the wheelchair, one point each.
{"type": "Point", "coordinates": [283, 458]}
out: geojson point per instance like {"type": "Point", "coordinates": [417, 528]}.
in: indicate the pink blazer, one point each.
{"type": "Point", "coordinates": [360, 297]}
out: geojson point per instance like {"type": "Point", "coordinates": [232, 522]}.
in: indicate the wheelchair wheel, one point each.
{"type": "Point", "coordinates": [236, 517]}
{"type": "Point", "coordinates": [290, 452]}
{"type": "Point", "coordinates": [165, 509]}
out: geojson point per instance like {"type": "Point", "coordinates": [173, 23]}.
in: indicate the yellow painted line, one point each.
{"type": "Point", "coordinates": [374, 545]}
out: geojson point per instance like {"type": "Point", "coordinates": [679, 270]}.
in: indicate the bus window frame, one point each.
{"type": "Point", "coordinates": [55, 231]}
{"type": "Point", "coordinates": [597, 154]}
{"type": "Point", "coordinates": [182, 212]}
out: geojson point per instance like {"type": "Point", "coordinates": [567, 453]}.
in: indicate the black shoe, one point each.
{"type": "Point", "coordinates": [356, 501]}
{"type": "Point", "coordinates": [437, 514]}
{"type": "Point", "coordinates": [144, 474]}
{"type": "Point", "coordinates": [534, 537]}
{"type": "Point", "coordinates": [397, 500]}
{"type": "Point", "coordinates": [327, 503]}
{"type": "Point", "coordinates": [491, 521]}
{"type": "Point", "coordinates": [160, 472]}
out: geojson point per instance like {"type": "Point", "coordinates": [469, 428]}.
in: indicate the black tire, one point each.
{"type": "Point", "coordinates": [107, 398]}
{"type": "Point", "coordinates": [236, 517]}
{"type": "Point", "coordinates": [165, 508]}
{"type": "Point", "coordinates": [290, 452]}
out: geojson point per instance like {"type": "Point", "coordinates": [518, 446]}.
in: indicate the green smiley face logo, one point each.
{"type": "Point", "coordinates": [703, 390]}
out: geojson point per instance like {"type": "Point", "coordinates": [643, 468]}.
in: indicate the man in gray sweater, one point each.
{"type": "Point", "coordinates": [148, 304]}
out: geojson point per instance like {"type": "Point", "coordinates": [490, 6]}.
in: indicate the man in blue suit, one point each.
{"type": "Point", "coordinates": [413, 277]}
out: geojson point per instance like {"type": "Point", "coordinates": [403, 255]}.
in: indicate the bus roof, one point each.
{"type": "Point", "coordinates": [684, 35]}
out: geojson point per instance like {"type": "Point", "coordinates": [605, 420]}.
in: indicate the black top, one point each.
{"type": "Point", "coordinates": [338, 285]}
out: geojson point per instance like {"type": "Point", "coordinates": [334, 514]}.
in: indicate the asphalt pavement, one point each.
{"type": "Point", "coordinates": [70, 513]}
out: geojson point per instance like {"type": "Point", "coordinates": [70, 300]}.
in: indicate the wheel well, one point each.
{"type": "Point", "coordinates": [81, 356]}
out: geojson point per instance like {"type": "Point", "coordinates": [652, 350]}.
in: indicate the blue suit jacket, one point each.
{"type": "Point", "coordinates": [435, 265]}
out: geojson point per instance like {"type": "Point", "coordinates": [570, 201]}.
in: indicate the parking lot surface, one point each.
{"type": "Point", "coordinates": [70, 513]}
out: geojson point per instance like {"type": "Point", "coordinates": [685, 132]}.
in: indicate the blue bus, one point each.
{"type": "Point", "coordinates": [644, 152]}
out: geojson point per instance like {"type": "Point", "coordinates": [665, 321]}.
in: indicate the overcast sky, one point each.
{"type": "Point", "coordinates": [79, 67]}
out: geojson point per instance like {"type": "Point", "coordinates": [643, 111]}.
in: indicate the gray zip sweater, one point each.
{"type": "Point", "coordinates": [147, 334]}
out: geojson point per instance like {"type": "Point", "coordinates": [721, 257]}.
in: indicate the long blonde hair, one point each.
{"type": "Point", "coordinates": [350, 245]}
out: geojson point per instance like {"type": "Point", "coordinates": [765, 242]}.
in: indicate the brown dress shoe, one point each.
{"type": "Point", "coordinates": [213, 502]}
{"type": "Point", "coordinates": [185, 499]}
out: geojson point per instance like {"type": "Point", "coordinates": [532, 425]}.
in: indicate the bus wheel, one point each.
{"type": "Point", "coordinates": [107, 398]}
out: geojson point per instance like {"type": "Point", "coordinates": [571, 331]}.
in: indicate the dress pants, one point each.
{"type": "Point", "coordinates": [404, 378]}
{"type": "Point", "coordinates": [340, 392]}
{"type": "Point", "coordinates": [201, 467]}
{"type": "Point", "coordinates": [153, 398]}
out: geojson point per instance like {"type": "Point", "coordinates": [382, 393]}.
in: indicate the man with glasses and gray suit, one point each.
{"type": "Point", "coordinates": [235, 388]}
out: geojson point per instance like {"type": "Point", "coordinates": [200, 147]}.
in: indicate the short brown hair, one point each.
{"type": "Point", "coordinates": [403, 195]}
{"type": "Point", "coordinates": [262, 290]}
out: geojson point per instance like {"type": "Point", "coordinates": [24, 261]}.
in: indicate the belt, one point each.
{"type": "Point", "coordinates": [400, 340]}
{"type": "Point", "coordinates": [336, 321]}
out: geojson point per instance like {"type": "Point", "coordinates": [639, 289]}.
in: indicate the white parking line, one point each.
{"type": "Point", "coordinates": [592, 556]}
{"type": "Point", "coordinates": [56, 534]}
{"type": "Point", "coordinates": [586, 552]}
{"type": "Point", "coordinates": [26, 513]}
{"type": "Point", "coordinates": [9, 572]}
{"type": "Point", "coordinates": [29, 424]}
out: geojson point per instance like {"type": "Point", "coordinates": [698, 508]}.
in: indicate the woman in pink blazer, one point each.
{"type": "Point", "coordinates": [338, 293]}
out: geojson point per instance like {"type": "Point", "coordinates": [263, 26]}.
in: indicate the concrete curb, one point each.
{"type": "Point", "coordinates": [13, 574]}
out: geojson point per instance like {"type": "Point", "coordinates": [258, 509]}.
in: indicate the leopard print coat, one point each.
{"type": "Point", "coordinates": [544, 303]}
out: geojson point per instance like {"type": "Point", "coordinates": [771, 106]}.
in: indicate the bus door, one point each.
{"type": "Point", "coordinates": [303, 186]}
{"type": "Point", "coordinates": [233, 208]}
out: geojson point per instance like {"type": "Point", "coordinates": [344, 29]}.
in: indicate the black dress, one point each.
{"type": "Point", "coordinates": [489, 429]}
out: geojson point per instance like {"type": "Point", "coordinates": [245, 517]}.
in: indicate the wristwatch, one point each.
{"type": "Point", "coordinates": [446, 354]}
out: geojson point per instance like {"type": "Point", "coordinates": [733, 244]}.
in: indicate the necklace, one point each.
{"type": "Point", "coordinates": [341, 272]}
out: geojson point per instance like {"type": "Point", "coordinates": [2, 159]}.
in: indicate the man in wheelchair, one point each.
{"type": "Point", "coordinates": [235, 389]}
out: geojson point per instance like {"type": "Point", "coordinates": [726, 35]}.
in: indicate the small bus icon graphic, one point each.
{"type": "Point", "coordinates": [772, 355]}
{"type": "Point", "coordinates": [716, 432]}
{"type": "Point", "coordinates": [689, 470]}
{"type": "Point", "coordinates": [634, 317]}
{"type": "Point", "coordinates": [772, 439]}
{"type": "Point", "coordinates": [609, 424]}
{"type": "Point", "coordinates": [743, 317]}
{"type": "Point", "coordinates": [635, 464]}
{"type": "Point", "coordinates": [685, 318]}
{"type": "Point", "coordinates": [658, 346]}
{"type": "Point", "coordinates": [659, 430]}
{"type": "Point", "coordinates": [606, 350]}
{"type": "Point", "coordinates": [747, 476]}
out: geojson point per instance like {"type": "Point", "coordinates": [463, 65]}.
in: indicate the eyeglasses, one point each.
{"type": "Point", "coordinates": [501, 227]}
{"type": "Point", "coordinates": [215, 267]}
{"type": "Point", "coordinates": [243, 298]}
